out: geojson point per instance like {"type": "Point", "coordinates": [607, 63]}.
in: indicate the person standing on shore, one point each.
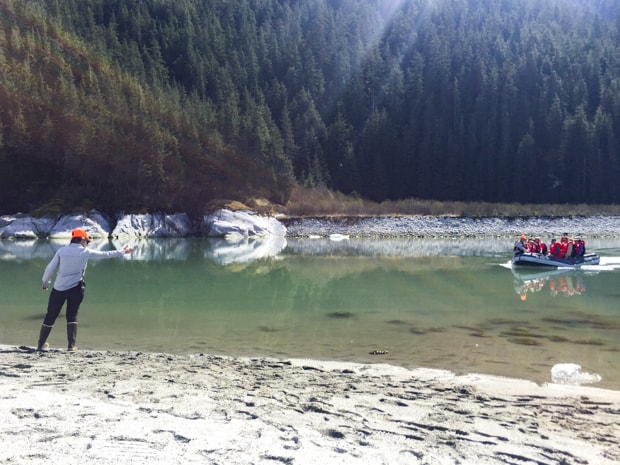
{"type": "Point", "coordinates": [70, 263]}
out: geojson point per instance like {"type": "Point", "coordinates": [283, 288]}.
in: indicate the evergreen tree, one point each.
{"type": "Point", "coordinates": [159, 105]}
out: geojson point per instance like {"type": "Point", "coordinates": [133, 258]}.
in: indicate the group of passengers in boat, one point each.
{"type": "Point", "coordinates": [566, 247]}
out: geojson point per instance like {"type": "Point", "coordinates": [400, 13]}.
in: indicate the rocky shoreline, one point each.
{"type": "Point", "coordinates": [220, 223]}
{"type": "Point", "coordinates": [447, 226]}
{"type": "Point", "coordinates": [246, 223]}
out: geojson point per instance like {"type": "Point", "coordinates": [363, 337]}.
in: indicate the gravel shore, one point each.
{"type": "Point", "coordinates": [442, 226]}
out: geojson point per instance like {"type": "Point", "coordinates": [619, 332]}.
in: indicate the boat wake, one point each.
{"type": "Point", "coordinates": [606, 264]}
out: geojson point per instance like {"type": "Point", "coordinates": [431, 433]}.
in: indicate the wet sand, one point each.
{"type": "Point", "coordinates": [140, 408]}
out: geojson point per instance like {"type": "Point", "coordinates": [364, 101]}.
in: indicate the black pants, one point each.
{"type": "Point", "coordinates": [73, 297]}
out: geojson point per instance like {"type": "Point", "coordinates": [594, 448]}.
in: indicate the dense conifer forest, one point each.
{"type": "Point", "coordinates": [169, 105]}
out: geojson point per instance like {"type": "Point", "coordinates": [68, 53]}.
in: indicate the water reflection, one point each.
{"type": "Point", "coordinates": [40, 249]}
{"type": "Point", "coordinates": [445, 303]}
{"type": "Point", "coordinates": [402, 247]}
{"type": "Point", "coordinates": [223, 251]}
{"type": "Point", "coordinates": [244, 250]}
{"type": "Point", "coordinates": [561, 281]}
{"type": "Point", "coordinates": [241, 249]}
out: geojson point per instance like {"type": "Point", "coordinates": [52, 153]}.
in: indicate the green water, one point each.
{"type": "Point", "coordinates": [427, 303]}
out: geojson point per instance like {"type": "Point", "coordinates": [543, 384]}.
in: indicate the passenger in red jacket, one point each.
{"type": "Point", "coordinates": [567, 246]}
{"type": "Point", "coordinates": [543, 248]}
{"type": "Point", "coordinates": [540, 246]}
{"type": "Point", "coordinates": [555, 249]}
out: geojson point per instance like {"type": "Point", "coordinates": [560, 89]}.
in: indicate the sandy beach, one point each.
{"type": "Point", "coordinates": [139, 408]}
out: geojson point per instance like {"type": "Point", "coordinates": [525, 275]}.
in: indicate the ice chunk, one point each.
{"type": "Point", "coordinates": [571, 373]}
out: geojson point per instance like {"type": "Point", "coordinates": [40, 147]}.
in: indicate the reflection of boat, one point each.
{"type": "Point", "coordinates": [538, 259]}
{"type": "Point", "coordinates": [560, 281]}
{"type": "Point", "coordinates": [531, 274]}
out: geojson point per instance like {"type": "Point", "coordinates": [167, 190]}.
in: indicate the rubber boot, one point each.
{"type": "Point", "coordinates": [71, 336]}
{"type": "Point", "coordinates": [45, 332]}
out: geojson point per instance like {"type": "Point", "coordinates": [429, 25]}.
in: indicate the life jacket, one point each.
{"type": "Point", "coordinates": [579, 249]}
{"type": "Point", "coordinates": [542, 248]}
{"type": "Point", "coordinates": [556, 249]}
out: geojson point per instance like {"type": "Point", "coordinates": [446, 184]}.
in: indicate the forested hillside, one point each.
{"type": "Point", "coordinates": [169, 105]}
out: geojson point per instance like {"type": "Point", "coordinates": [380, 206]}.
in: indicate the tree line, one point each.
{"type": "Point", "coordinates": [154, 104]}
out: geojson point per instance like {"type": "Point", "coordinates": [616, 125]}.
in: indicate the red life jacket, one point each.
{"type": "Point", "coordinates": [556, 249]}
{"type": "Point", "coordinates": [542, 247]}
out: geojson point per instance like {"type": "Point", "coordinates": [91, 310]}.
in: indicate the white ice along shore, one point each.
{"type": "Point", "coordinates": [221, 223]}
